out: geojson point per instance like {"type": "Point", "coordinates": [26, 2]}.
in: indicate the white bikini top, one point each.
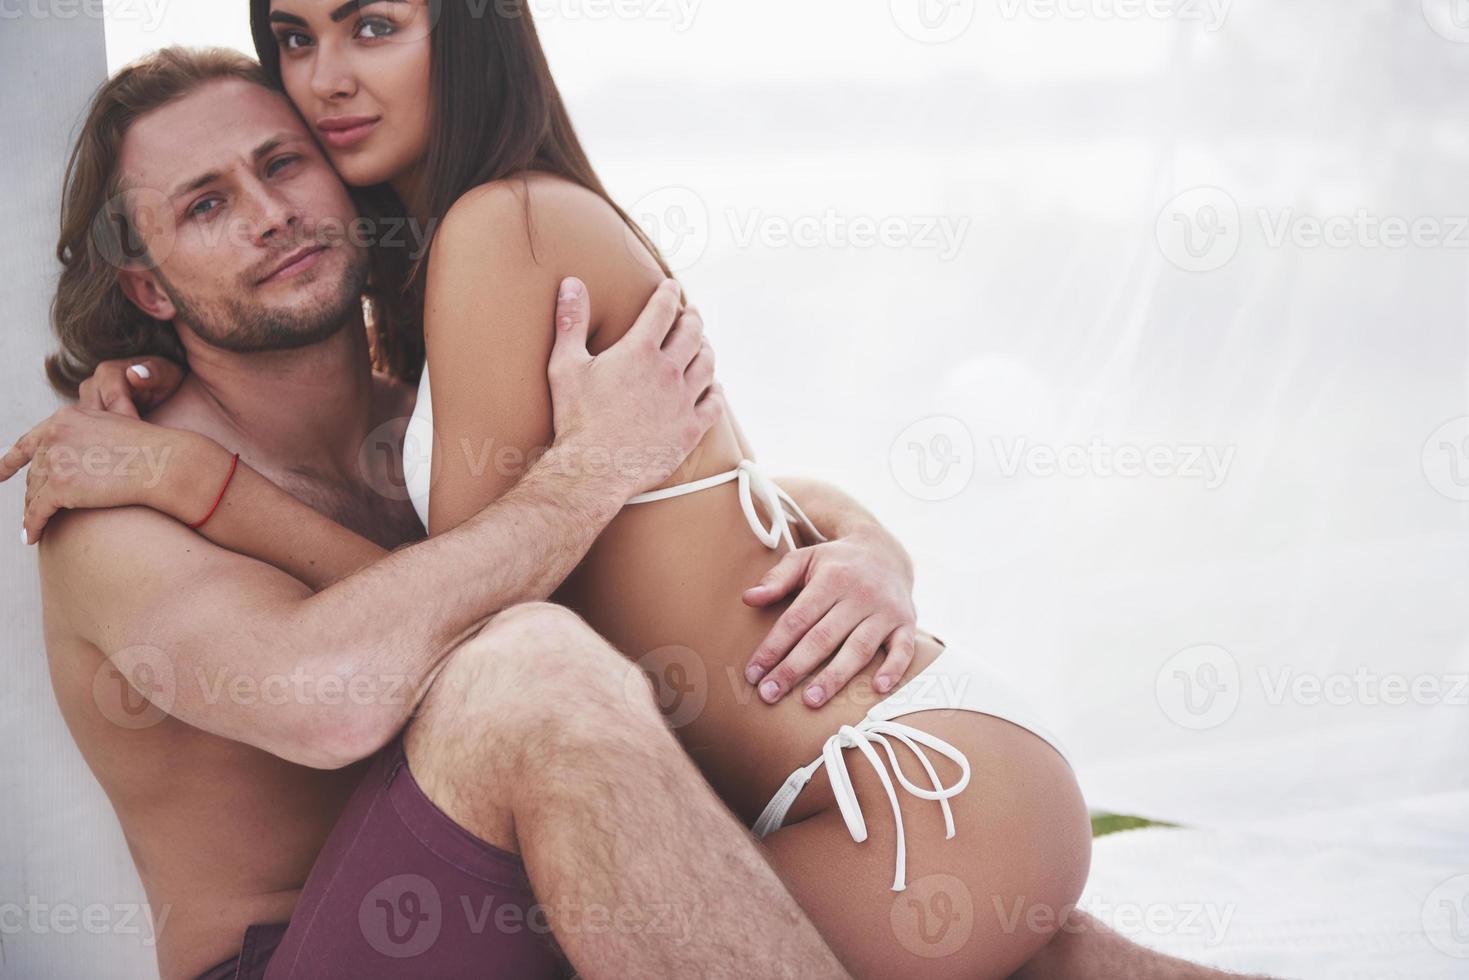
{"type": "Point", "coordinates": [418, 450]}
{"type": "Point", "coordinates": [418, 447]}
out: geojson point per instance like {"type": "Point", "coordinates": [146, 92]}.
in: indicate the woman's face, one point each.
{"type": "Point", "coordinates": [358, 72]}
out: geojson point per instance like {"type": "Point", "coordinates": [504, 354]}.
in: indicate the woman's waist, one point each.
{"type": "Point", "coordinates": [695, 651]}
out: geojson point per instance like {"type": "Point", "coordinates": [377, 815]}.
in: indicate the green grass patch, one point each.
{"type": "Point", "coordinates": [1112, 823]}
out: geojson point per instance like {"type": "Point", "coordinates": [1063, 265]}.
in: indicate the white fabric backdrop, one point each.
{"type": "Point", "coordinates": [1265, 635]}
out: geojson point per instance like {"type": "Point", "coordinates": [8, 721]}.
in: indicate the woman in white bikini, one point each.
{"type": "Point", "coordinates": [942, 786]}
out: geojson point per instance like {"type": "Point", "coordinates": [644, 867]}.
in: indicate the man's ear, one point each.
{"type": "Point", "coordinates": [143, 290]}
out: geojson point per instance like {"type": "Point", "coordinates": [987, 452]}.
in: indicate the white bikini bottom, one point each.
{"type": "Point", "coordinates": [951, 682]}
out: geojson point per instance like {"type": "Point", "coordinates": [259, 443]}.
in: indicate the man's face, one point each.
{"type": "Point", "coordinates": [244, 221]}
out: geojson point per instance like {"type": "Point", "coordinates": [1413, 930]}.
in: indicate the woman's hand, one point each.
{"type": "Point", "coordinates": [88, 458]}
{"type": "Point", "coordinates": [855, 597]}
{"type": "Point", "coordinates": [130, 386]}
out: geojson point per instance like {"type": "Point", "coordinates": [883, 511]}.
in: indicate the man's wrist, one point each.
{"type": "Point", "coordinates": [623, 472]}
{"type": "Point", "coordinates": [869, 531]}
{"type": "Point", "coordinates": [583, 477]}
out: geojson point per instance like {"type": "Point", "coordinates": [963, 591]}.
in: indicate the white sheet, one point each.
{"type": "Point", "coordinates": [1376, 891]}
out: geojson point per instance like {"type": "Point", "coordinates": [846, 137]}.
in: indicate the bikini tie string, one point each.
{"type": "Point", "coordinates": [753, 484]}
{"type": "Point", "coordinates": [861, 737]}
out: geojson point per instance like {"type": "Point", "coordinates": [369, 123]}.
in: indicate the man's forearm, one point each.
{"type": "Point", "coordinates": [402, 615]}
{"type": "Point", "coordinates": [838, 515]}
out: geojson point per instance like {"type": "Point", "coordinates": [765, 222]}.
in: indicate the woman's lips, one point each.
{"type": "Point", "coordinates": [344, 134]}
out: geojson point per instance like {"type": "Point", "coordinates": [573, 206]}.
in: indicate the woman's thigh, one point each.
{"type": "Point", "coordinates": [977, 905]}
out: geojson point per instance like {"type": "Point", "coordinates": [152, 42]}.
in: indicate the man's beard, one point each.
{"type": "Point", "coordinates": [230, 324]}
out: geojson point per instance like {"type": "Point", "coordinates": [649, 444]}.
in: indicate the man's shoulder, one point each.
{"type": "Point", "coordinates": [97, 539]}
{"type": "Point", "coordinates": [87, 558]}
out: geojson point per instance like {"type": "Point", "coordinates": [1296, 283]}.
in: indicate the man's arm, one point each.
{"type": "Point", "coordinates": [147, 591]}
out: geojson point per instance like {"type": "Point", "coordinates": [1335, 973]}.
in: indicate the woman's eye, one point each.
{"type": "Point", "coordinates": [203, 208]}
{"type": "Point", "coordinates": [375, 27]}
{"type": "Point", "coordinates": [292, 40]}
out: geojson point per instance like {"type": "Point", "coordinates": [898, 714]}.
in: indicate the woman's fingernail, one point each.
{"type": "Point", "coordinates": [752, 674]}
{"type": "Point", "coordinates": [141, 370]}
{"type": "Point", "coordinates": [813, 695]}
{"type": "Point", "coordinates": [25, 536]}
{"type": "Point", "coordinates": [884, 684]}
{"type": "Point", "coordinates": [770, 690]}
{"type": "Point", "coordinates": [570, 289]}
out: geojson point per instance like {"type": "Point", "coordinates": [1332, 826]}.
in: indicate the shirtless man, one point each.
{"type": "Point", "coordinates": [242, 719]}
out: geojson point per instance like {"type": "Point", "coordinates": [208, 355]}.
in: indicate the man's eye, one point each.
{"type": "Point", "coordinates": [204, 207]}
{"type": "Point", "coordinates": [375, 27]}
{"type": "Point", "coordinates": [292, 40]}
{"type": "Point", "coordinates": [279, 164]}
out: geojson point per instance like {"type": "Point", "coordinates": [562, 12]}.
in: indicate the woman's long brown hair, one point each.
{"type": "Point", "coordinates": [495, 113]}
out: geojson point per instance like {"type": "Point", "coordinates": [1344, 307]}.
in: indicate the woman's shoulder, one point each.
{"type": "Point", "coordinates": [524, 234]}
{"type": "Point", "coordinates": [533, 211]}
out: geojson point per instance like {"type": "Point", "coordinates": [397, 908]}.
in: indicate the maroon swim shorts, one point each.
{"type": "Point", "coordinates": [401, 890]}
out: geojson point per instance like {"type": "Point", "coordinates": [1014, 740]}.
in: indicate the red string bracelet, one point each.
{"type": "Point", "coordinates": [233, 463]}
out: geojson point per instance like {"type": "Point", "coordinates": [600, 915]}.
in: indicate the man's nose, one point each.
{"type": "Point", "coordinates": [278, 219]}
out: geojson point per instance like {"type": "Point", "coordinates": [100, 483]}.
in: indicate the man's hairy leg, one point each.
{"type": "Point", "coordinates": [540, 738]}
{"type": "Point", "coordinates": [1086, 948]}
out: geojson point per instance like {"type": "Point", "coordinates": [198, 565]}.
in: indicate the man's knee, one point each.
{"type": "Point", "coordinates": [533, 664]}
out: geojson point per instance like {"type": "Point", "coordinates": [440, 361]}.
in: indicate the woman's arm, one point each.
{"type": "Point", "coordinates": [258, 519]}
{"type": "Point", "coordinates": [497, 259]}
{"type": "Point", "coordinates": [83, 458]}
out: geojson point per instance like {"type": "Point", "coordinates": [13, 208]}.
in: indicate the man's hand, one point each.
{"type": "Point", "coordinates": [856, 596]}
{"type": "Point", "coordinates": [641, 406]}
